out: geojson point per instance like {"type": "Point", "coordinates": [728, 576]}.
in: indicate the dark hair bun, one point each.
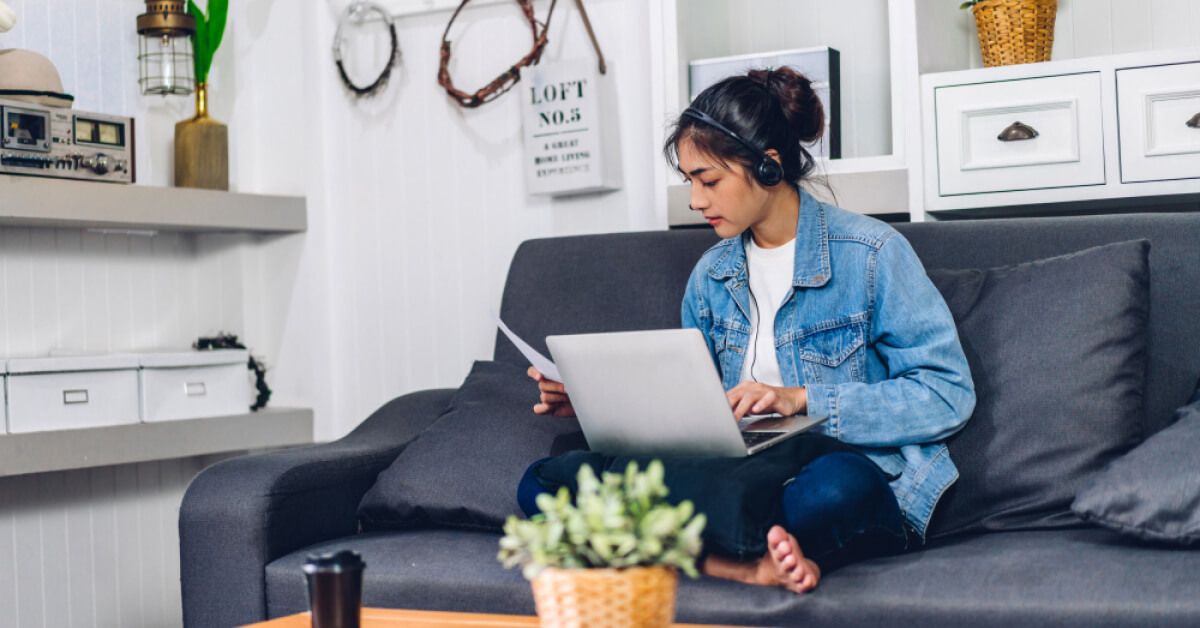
{"type": "Point", "coordinates": [796, 97]}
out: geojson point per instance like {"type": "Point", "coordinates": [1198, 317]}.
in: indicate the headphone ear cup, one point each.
{"type": "Point", "coordinates": [769, 172]}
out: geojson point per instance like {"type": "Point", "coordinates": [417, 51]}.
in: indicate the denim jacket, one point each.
{"type": "Point", "coordinates": [865, 332]}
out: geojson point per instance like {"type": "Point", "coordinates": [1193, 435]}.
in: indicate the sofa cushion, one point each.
{"type": "Point", "coordinates": [464, 469]}
{"type": "Point", "coordinates": [1090, 578]}
{"type": "Point", "coordinates": [1057, 350]}
{"type": "Point", "coordinates": [1153, 492]}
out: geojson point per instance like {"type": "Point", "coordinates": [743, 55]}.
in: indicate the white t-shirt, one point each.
{"type": "Point", "coordinates": [770, 281]}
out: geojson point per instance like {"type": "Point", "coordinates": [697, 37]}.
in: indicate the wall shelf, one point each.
{"type": "Point", "coordinates": [122, 444]}
{"type": "Point", "coordinates": [44, 202]}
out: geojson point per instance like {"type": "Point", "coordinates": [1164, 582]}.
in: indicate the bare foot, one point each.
{"type": "Point", "coordinates": [784, 565]}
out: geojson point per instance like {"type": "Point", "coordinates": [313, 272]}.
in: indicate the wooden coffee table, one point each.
{"type": "Point", "coordinates": [394, 618]}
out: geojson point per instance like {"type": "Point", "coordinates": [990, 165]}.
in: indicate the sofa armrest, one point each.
{"type": "Point", "coordinates": [242, 513]}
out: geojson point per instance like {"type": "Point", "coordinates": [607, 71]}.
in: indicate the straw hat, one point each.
{"type": "Point", "coordinates": [28, 76]}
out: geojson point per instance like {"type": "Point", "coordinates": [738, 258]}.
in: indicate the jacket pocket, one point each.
{"type": "Point", "coordinates": [729, 346]}
{"type": "Point", "coordinates": [831, 350]}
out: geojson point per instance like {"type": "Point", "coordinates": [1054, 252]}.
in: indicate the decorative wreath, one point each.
{"type": "Point", "coordinates": [505, 81]}
{"type": "Point", "coordinates": [353, 11]}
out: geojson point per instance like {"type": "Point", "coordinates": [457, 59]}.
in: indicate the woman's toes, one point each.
{"type": "Point", "coordinates": [776, 535]}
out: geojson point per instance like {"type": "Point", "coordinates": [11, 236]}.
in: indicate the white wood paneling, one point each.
{"type": "Point", "coordinates": [77, 290]}
{"type": "Point", "coordinates": [93, 547]}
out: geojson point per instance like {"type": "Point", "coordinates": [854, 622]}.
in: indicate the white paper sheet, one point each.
{"type": "Point", "coordinates": [539, 361]}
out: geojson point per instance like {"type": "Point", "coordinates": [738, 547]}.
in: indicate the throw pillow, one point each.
{"type": "Point", "coordinates": [463, 470]}
{"type": "Point", "coordinates": [1057, 351]}
{"type": "Point", "coordinates": [1153, 492]}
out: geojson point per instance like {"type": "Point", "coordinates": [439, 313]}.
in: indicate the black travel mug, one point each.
{"type": "Point", "coordinates": [335, 588]}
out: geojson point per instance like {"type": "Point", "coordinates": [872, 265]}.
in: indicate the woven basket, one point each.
{"type": "Point", "coordinates": [591, 598]}
{"type": "Point", "coordinates": [1015, 31]}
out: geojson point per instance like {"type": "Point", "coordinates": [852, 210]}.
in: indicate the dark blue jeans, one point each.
{"type": "Point", "coordinates": [839, 507]}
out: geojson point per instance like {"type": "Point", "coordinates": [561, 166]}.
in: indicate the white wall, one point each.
{"type": "Point", "coordinates": [425, 202]}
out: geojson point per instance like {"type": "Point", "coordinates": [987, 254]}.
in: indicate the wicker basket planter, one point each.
{"type": "Point", "coordinates": [634, 597]}
{"type": "Point", "coordinates": [1015, 31]}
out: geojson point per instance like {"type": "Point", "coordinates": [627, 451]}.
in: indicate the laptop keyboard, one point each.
{"type": "Point", "coordinates": [755, 438]}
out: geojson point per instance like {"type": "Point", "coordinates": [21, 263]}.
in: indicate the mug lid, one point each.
{"type": "Point", "coordinates": [343, 560]}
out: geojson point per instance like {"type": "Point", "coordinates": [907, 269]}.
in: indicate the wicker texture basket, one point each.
{"type": "Point", "coordinates": [592, 598]}
{"type": "Point", "coordinates": [1015, 31]}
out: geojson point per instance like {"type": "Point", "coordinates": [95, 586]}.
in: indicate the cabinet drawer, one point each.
{"type": "Point", "coordinates": [39, 402]}
{"type": "Point", "coordinates": [1156, 104]}
{"type": "Point", "coordinates": [171, 394]}
{"type": "Point", "coordinates": [981, 148]}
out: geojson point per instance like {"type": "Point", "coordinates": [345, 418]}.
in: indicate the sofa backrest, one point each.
{"type": "Point", "coordinates": [632, 281]}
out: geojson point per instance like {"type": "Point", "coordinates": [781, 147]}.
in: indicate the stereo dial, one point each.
{"type": "Point", "coordinates": [98, 163]}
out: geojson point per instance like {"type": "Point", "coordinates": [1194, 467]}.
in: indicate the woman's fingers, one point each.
{"type": "Point", "coordinates": [551, 386]}
{"type": "Point", "coordinates": [767, 402]}
{"type": "Point", "coordinates": [552, 397]}
{"type": "Point", "coordinates": [743, 407]}
{"type": "Point", "coordinates": [534, 374]}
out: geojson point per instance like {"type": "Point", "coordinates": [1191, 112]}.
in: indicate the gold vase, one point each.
{"type": "Point", "coordinates": [202, 149]}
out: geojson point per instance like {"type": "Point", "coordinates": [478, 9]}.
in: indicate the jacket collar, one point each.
{"type": "Point", "coordinates": [812, 268]}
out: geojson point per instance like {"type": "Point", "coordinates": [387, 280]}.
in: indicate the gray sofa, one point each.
{"type": "Point", "coordinates": [247, 523]}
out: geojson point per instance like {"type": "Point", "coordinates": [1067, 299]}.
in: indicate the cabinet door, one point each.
{"type": "Point", "coordinates": [1023, 134]}
{"type": "Point", "coordinates": [1155, 106]}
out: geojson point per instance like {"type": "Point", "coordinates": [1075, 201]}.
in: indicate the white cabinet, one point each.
{"type": "Point", "coordinates": [1158, 107]}
{"type": "Point", "coordinates": [1110, 129]}
{"type": "Point", "coordinates": [63, 393]}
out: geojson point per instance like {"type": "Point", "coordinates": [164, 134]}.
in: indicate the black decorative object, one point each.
{"type": "Point", "coordinates": [230, 341]}
{"type": "Point", "coordinates": [356, 10]}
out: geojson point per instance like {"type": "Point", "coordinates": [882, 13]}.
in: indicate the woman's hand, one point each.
{"type": "Point", "coordinates": [554, 400]}
{"type": "Point", "coordinates": [755, 398]}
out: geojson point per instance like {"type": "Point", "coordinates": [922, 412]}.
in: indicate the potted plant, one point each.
{"type": "Point", "coordinates": [612, 556]}
{"type": "Point", "coordinates": [1014, 31]}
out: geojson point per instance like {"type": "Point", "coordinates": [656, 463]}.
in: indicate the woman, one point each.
{"type": "Point", "coordinates": [808, 308]}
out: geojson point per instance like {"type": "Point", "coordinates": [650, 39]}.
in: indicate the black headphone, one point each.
{"type": "Point", "coordinates": [768, 172]}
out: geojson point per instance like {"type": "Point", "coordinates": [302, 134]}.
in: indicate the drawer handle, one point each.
{"type": "Point", "coordinates": [195, 389]}
{"type": "Point", "coordinates": [1194, 122]}
{"type": "Point", "coordinates": [73, 397]}
{"type": "Point", "coordinates": [1016, 132]}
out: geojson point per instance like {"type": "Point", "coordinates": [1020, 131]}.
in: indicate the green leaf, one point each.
{"type": "Point", "coordinates": [210, 30]}
{"type": "Point", "coordinates": [202, 57]}
{"type": "Point", "coordinates": [218, 11]}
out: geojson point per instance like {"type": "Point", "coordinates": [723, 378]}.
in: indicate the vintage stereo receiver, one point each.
{"type": "Point", "coordinates": [53, 142]}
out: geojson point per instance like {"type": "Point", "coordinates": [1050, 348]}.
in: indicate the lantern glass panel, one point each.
{"type": "Point", "coordinates": [165, 65]}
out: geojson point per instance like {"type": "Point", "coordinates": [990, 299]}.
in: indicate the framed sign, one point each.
{"type": "Point", "coordinates": [569, 122]}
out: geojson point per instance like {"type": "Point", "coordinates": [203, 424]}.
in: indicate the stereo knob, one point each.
{"type": "Point", "coordinates": [101, 166]}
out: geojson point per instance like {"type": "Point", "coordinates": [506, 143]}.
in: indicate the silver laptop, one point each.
{"type": "Point", "coordinates": [658, 393]}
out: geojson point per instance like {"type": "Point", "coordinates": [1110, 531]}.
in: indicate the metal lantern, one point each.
{"type": "Point", "coordinates": [165, 48]}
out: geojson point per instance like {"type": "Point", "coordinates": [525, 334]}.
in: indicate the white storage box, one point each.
{"type": "Point", "coordinates": [63, 393]}
{"type": "Point", "coordinates": [4, 399]}
{"type": "Point", "coordinates": [195, 384]}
